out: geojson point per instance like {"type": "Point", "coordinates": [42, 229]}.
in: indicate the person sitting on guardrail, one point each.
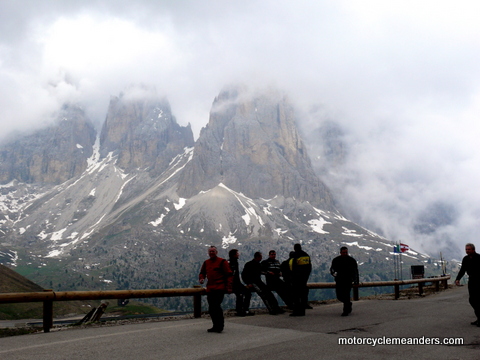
{"type": "Point", "coordinates": [252, 277]}
{"type": "Point", "coordinates": [271, 268]}
{"type": "Point", "coordinates": [345, 271]}
{"type": "Point", "coordinates": [219, 275]}
{"type": "Point", "coordinates": [242, 293]}
{"type": "Point", "coordinates": [471, 266]}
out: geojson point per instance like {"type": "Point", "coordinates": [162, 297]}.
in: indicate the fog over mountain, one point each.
{"type": "Point", "coordinates": [392, 89]}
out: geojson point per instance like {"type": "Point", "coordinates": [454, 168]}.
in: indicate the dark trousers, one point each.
{"type": "Point", "coordinates": [474, 297]}
{"type": "Point", "coordinates": [267, 297]}
{"type": "Point", "coordinates": [343, 294]}
{"type": "Point", "coordinates": [282, 289]}
{"type": "Point", "coordinates": [214, 299]}
{"type": "Point", "coordinates": [299, 296]}
{"type": "Point", "coordinates": [242, 299]}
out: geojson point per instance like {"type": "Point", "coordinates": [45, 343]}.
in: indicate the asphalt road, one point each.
{"type": "Point", "coordinates": [315, 336]}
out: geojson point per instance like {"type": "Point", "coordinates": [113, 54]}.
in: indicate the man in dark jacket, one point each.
{"type": "Point", "coordinates": [252, 277]}
{"type": "Point", "coordinates": [471, 266]}
{"type": "Point", "coordinates": [285, 268]}
{"type": "Point", "coordinates": [345, 271]}
{"type": "Point", "coordinates": [217, 271]}
{"type": "Point", "coordinates": [301, 267]}
{"type": "Point", "coordinates": [271, 269]}
{"type": "Point", "coordinates": [242, 293]}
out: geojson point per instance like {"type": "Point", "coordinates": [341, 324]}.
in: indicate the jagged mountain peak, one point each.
{"type": "Point", "coordinates": [52, 154]}
{"type": "Point", "coordinates": [252, 145]}
{"type": "Point", "coordinates": [141, 129]}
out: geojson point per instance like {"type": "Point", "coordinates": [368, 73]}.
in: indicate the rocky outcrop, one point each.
{"type": "Point", "coordinates": [252, 145]}
{"type": "Point", "coordinates": [52, 155]}
{"type": "Point", "coordinates": [142, 131]}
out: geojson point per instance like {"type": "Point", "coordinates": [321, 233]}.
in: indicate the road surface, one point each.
{"type": "Point", "coordinates": [315, 336]}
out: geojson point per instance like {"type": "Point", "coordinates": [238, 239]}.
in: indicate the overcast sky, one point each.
{"type": "Point", "coordinates": [403, 77]}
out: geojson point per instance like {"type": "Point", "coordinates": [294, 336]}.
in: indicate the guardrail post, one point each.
{"type": "Point", "coordinates": [420, 288]}
{"type": "Point", "coordinates": [47, 314]}
{"type": "Point", "coordinates": [437, 286]}
{"type": "Point", "coordinates": [445, 284]}
{"type": "Point", "coordinates": [397, 291]}
{"type": "Point", "coordinates": [197, 303]}
{"type": "Point", "coordinates": [355, 292]}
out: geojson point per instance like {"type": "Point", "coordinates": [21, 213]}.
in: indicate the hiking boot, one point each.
{"type": "Point", "coordinates": [214, 329]}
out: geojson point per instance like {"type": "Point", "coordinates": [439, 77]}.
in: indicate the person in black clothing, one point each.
{"type": "Point", "coordinates": [301, 267]}
{"type": "Point", "coordinates": [271, 269]}
{"type": "Point", "coordinates": [286, 271]}
{"type": "Point", "coordinates": [345, 271]}
{"type": "Point", "coordinates": [242, 294]}
{"type": "Point", "coordinates": [252, 277]}
{"type": "Point", "coordinates": [471, 266]}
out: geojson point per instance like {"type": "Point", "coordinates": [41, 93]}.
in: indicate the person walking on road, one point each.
{"type": "Point", "coordinates": [345, 271]}
{"type": "Point", "coordinates": [219, 278]}
{"type": "Point", "coordinates": [471, 266]}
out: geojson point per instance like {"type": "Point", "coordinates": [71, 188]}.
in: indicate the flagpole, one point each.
{"type": "Point", "coordinates": [401, 265]}
{"type": "Point", "coordinates": [443, 264]}
{"type": "Point", "coordinates": [397, 269]}
{"type": "Point", "coordinates": [395, 261]}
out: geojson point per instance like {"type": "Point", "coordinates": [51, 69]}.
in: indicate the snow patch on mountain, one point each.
{"type": "Point", "coordinates": [228, 240]}
{"type": "Point", "coordinates": [280, 231]}
{"type": "Point", "coordinates": [157, 221]}
{"type": "Point", "coordinates": [318, 224]}
{"type": "Point", "coordinates": [123, 186]}
{"type": "Point", "coordinates": [95, 158]}
{"type": "Point", "coordinates": [349, 232]}
{"type": "Point", "coordinates": [57, 235]}
{"type": "Point", "coordinates": [363, 246]}
{"type": "Point", "coordinates": [247, 204]}
{"type": "Point", "coordinates": [181, 203]}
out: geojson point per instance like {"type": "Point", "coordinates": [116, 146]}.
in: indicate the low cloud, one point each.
{"type": "Point", "coordinates": [400, 79]}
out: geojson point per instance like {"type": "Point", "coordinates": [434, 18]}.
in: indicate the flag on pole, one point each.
{"type": "Point", "coordinates": [404, 247]}
{"type": "Point", "coordinates": [396, 249]}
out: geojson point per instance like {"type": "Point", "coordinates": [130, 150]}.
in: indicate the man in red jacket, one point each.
{"type": "Point", "coordinates": [220, 279]}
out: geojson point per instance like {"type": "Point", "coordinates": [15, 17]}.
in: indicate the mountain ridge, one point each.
{"type": "Point", "coordinates": [142, 212]}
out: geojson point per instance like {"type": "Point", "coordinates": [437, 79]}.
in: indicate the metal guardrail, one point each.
{"type": "Point", "coordinates": [49, 296]}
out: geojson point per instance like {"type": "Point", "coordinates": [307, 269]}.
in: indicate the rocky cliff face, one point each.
{"type": "Point", "coordinates": [252, 145]}
{"type": "Point", "coordinates": [52, 155]}
{"type": "Point", "coordinates": [141, 130]}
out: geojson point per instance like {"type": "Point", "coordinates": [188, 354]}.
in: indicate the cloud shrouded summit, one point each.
{"type": "Point", "coordinates": [252, 145]}
{"type": "Point", "coordinates": [400, 79]}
